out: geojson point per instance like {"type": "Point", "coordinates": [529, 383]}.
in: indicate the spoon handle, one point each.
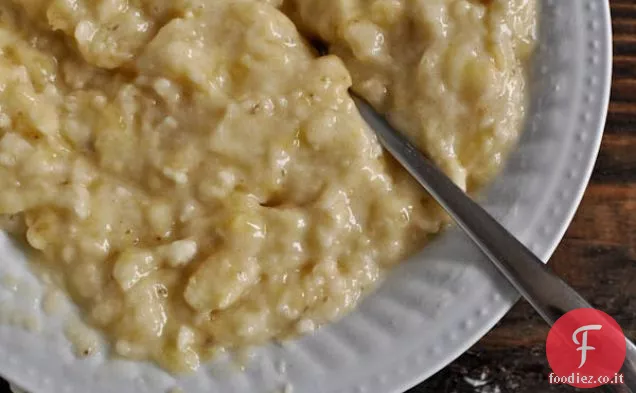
{"type": "Point", "coordinates": [550, 296]}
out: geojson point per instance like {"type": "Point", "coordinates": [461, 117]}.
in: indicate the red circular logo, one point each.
{"type": "Point", "coordinates": [585, 348]}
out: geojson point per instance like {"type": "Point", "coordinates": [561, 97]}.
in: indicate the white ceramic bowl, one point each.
{"type": "Point", "coordinates": [433, 307]}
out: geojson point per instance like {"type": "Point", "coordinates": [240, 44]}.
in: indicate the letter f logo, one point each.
{"type": "Point", "coordinates": [583, 343]}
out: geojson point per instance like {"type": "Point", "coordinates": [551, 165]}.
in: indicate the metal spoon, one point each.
{"type": "Point", "coordinates": [548, 294]}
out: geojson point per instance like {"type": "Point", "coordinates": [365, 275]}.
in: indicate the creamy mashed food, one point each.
{"type": "Point", "coordinates": [197, 178]}
{"type": "Point", "coordinates": [448, 73]}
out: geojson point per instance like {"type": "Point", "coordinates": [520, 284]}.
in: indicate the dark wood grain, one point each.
{"type": "Point", "coordinates": [597, 255]}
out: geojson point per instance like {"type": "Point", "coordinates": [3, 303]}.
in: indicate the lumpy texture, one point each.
{"type": "Point", "coordinates": [448, 73]}
{"type": "Point", "coordinates": [198, 178]}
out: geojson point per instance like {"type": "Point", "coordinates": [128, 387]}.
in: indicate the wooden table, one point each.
{"type": "Point", "coordinates": [597, 255]}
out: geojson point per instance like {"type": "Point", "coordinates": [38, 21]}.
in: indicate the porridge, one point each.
{"type": "Point", "coordinates": [197, 178]}
{"type": "Point", "coordinates": [448, 73]}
